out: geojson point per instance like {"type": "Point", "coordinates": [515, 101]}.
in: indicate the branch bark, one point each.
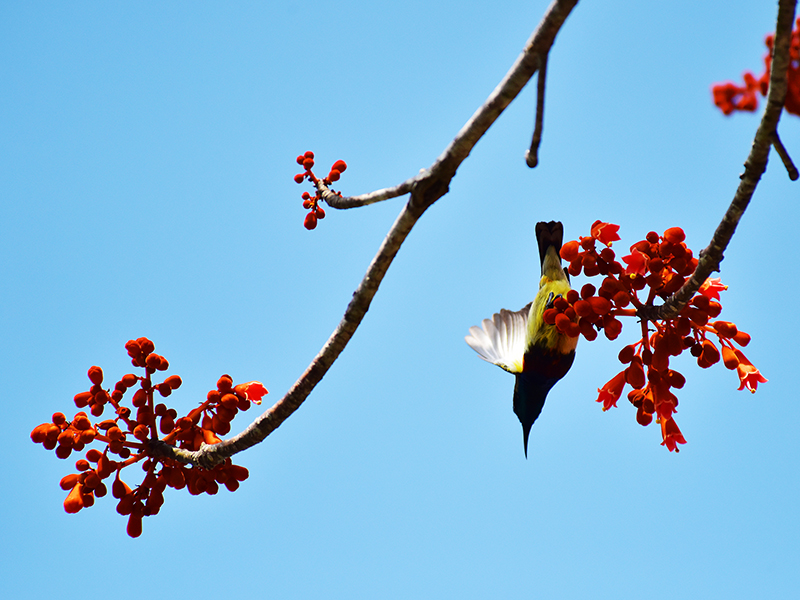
{"type": "Point", "coordinates": [754, 167]}
{"type": "Point", "coordinates": [425, 188]}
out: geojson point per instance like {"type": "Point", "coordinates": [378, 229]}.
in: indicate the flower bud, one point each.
{"type": "Point", "coordinates": [674, 235]}
{"type": "Point", "coordinates": [634, 374]}
{"type": "Point", "coordinates": [569, 251]}
{"type": "Point", "coordinates": [729, 358]}
{"type": "Point", "coordinates": [96, 375]}
{"type": "Point", "coordinates": [742, 338]}
{"type": "Point", "coordinates": [587, 330]}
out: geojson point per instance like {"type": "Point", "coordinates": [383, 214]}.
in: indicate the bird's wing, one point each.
{"type": "Point", "coordinates": [501, 340]}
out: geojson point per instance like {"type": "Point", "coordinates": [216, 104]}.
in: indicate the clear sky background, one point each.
{"type": "Point", "coordinates": [146, 190]}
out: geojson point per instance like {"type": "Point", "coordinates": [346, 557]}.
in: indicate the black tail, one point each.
{"type": "Point", "coordinates": [549, 234]}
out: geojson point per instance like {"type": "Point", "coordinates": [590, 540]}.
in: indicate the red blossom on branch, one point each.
{"type": "Point", "coordinates": [310, 202]}
{"type": "Point", "coordinates": [730, 97]}
{"type": "Point", "coordinates": [605, 233]}
{"type": "Point", "coordinates": [749, 376]}
{"type": "Point", "coordinates": [126, 438]}
{"type": "Point", "coordinates": [610, 392]}
{"type": "Point", "coordinates": [657, 267]}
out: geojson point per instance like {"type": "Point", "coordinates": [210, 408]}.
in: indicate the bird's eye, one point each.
{"type": "Point", "coordinates": [551, 300]}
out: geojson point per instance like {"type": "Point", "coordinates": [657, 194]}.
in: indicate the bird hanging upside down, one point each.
{"type": "Point", "coordinates": [523, 344]}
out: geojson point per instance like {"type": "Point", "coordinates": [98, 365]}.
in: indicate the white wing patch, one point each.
{"type": "Point", "coordinates": [501, 340]}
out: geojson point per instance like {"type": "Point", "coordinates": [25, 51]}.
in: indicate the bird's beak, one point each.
{"type": "Point", "coordinates": [526, 430]}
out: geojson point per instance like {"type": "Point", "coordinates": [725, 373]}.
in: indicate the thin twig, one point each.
{"type": "Point", "coordinates": [754, 167]}
{"type": "Point", "coordinates": [532, 155]}
{"type": "Point", "coordinates": [787, 160]}
{"type": "Point", "coordinates": [342, 202]}
{"type": "Point", "coordinates": [425, 188]}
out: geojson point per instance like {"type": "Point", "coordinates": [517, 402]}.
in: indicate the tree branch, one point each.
{"type": "Point", "coordinates": [342, 202]}
{"type": "Point", "coordinates": [426, 187]}
{"type": "Point", "coordinates": [754, 167]}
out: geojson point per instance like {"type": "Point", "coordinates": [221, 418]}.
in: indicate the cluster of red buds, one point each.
{"type": "Point", "coordinates": [730, 97]}
{"type": "Point", "coordinates": [128, 437]}
{"type": "Point", "coordinates": [660, 264]}
{"type": "Point", "coordinates": [310, 202]}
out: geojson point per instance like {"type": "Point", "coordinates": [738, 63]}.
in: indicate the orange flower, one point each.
{"type": "Point", "coordinates": [671, 434]}
{"type": "Point", "coordinates": [605, 233]}
{"type": "Point", "coordinates": [255, 390]}
{"type": "Point", "coordinates": [611, 391]}
{"type": "Point", "coordinates": [712, 287]}
{"type": "Point", "coordinates": [749, 376]}
{"type": "Point", "coordinates": [637, 262]}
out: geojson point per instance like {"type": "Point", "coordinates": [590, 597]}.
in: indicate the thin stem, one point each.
{"type": "Point", "coordinates": [532, 155]}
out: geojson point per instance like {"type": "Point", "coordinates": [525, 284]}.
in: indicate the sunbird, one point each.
{"type": "Point", "coordinates": [523, 344]}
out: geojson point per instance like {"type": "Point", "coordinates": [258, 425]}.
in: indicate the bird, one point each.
{"type": "Point", "coordinates": [521, 343]}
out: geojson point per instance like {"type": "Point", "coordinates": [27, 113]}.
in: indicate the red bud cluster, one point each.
{"type": "Point", "coordinates": [659, 264]}
{"type": "Point", "coordinates": [312, 202]}
{"type": "Point", "coordinates": [128, 436]}
{"type": "Point", "coordinates": [729, 97]}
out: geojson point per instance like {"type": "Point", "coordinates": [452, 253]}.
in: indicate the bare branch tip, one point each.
{"type": "Point", "coordinates": [532, 155]}
{"type": "Point", "coordinates": [787, 160]}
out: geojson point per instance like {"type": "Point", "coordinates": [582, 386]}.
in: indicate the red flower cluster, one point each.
{"type": "Point", "coordinates": [200, 426]}
{"type": "Point", "coordinates": [312, 202]}
{"type": "Point", "coordinates": [660, 264]}
{"type": "Point", "coordinates": [730, 97]}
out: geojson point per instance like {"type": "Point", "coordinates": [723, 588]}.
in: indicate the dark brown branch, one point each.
{"type": "Point", "coordinates": [426, 187]}
{"type": "Point", "coordinates": [754, 167]}
{"type": "Point", "coordinates": [787, 160]}
{"type": "Point", "coordinates": [532, 155]}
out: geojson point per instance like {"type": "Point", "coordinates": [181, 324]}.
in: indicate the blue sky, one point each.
{"type": "Point", "coordinates": [146, 185]}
